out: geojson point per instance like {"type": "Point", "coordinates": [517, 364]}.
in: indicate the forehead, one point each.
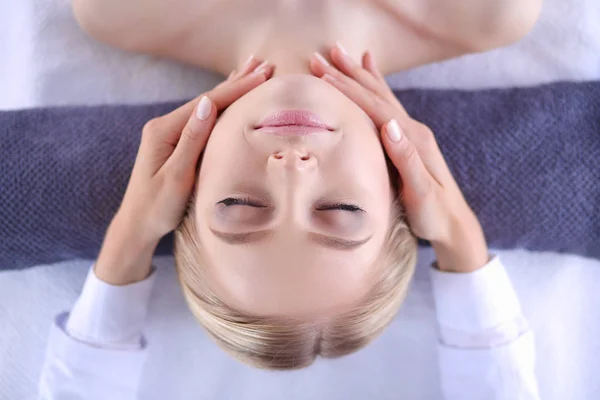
{"type": "Point", "coordinates": [290, 277]}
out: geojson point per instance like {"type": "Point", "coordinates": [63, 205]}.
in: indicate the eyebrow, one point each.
{"type": "Point", "coordinates": [328, 241]}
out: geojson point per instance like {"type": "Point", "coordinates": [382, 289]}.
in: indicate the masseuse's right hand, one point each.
{"type": "Point", "coordinates": [435, 207]}
{"type": "Point", "coordinates": [164, 176]}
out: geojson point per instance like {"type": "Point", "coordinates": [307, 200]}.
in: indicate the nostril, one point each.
{"type": "Point", "coordinates": [277, 156]}
{"type": "Point", "coordinates": [305, 158]}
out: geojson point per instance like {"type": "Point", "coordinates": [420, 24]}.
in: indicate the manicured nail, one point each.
{"type": "Point", "coordinates": [393, 130]}
{"type": "Point", "coordinates": [203, 109]}
{"type": "Point", "coordinates": [261, 68]}
{"type": "Point", "coordinates": [248, 61]}
{"type": "Point", "coordinates": [341, 48]}
{"type": "Point", "coordinates": [321, 59]}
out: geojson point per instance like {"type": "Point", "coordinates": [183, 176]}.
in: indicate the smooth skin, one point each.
{"type": "Point", "coordinates": [164, 173]}
{"type": "Point", "coordinates": [436, 209]}
{"type": "Point", "coordinates": [219, 35]}
{"type": "Point", "coordinates": [163, 178]}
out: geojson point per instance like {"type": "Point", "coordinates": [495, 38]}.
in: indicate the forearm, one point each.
{"type": "Point", "coordinates": [486, 347]}
{"type": "Point", "coordinates": [98, 350]}
{"type": "Point", "coordinates": [126, 254]}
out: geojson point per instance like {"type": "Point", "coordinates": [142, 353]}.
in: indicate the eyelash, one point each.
{"type": "Point", "coordinates": [342, 207]}
{"type": "Point", "coordinates": [241, 201]}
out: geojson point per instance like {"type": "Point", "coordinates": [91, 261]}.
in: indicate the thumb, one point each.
{"type": "Point", "coordinates": [193, 137]}
{"type": "Point", "coordinates": [405, 157]}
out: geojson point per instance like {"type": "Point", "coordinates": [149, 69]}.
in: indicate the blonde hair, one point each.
{"type": "Point", "coordinates": [289, 343]}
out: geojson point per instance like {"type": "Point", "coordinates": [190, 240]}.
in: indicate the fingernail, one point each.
{"type": "Point", "coordinates": [261, 68]}
{"type": "Point", "coordinates": [203, 109]}
{"type": "Point", "coordinates": [321, 59]}
{"type": "Point", "coordinates": [248, 61]}
{"type": "Point", "coordinates": [393, 130]}
{"type": "Point", "coordinates": [328, 77]}
{"type": "Point", "coordinates": [341, 48]}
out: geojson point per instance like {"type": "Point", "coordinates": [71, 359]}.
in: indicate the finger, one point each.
{"type": "Point", "coordinates": [193, 138]}
{"type": "Point", "coordinates": [358, 92]}
{"type": "Point", "coordinates": [342, 60]}
{"type": "Point", "coordinates": [231, 74]}
{"type": "Point", "coordinates": [406, 159]}
{"type": "Point", "coordinates": [370, 65]}
{"type": "Point", "coordinates": [222, 96]}
{"type": "Point", "coordinates": [319, 65]}
{"type": "Point", "coordinates": [249, 65]}
{"type": "Point", "coordinates": [264, 67]}
{"type": "Point", "coordinates": [377, 108]}
{"type": "Point", "coordinates": [225, 95]}
{"type": "Point", "coordinates": [368, 62]}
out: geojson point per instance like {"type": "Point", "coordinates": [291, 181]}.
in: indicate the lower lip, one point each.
{"type": "Point", "coordinates": [293, 122]}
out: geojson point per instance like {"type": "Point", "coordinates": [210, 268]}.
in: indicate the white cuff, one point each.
{"type": "Point", "coordinates": [76, 370]}
{"type": "Point", "coordinates": [481, 306]}
{"type": "Point", "coordinates": [110, 316]}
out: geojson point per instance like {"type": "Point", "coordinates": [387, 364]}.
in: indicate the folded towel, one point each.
{"type": "Point", "coordinates": [527, 160]}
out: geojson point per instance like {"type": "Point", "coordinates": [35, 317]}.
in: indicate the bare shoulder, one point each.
{"type": "Point", "coordinates": [435, 30]}
{"type": "Point", "coordinates": [138, 25]}
{"type": "Point", "coordinates": [475, 25]}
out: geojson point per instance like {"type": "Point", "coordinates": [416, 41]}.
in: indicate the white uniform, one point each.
{"type": "Point", "coordinates": [486, 349]}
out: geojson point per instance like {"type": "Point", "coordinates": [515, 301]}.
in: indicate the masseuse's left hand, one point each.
{"type": "Point", "coordinates": [435, 207]}
{"type": "Point", "coordinates": [164, 176]}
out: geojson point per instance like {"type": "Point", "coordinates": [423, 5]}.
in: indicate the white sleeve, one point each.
{"type": "Point", "coordinates": [98, 351]}
{"type": "Point", "coordinates": [486, 348]}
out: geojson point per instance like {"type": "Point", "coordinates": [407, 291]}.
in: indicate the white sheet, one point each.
{"type": "Point", "coordinates": [46, 60]}
{"type": "Point", "coordinates": [558, 294]}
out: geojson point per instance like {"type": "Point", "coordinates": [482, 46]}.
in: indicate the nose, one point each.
{"type": "Point", "coordinates": [292, 176]}
{"type": "Point", "coordinates": [293, 160]}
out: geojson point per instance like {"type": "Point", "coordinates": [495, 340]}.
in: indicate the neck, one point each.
{"type": "Point", "coordinates": [285, 39]}
{"type": "Point", "coordinates": [289, 57]}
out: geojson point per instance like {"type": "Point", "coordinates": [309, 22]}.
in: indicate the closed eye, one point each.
{"type": "Point", "coordinates": [340, 206]}
{"type": "Point", "coordinates": [240, 201]}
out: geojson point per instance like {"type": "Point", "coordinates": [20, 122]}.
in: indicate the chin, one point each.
{"type": "Point", "coordinates": [299, 91]}
{"type": "Point", "coordinates": [297, 81]}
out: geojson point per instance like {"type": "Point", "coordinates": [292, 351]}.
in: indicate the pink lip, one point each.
{"type": "Point", "coordinates": [293, 122]}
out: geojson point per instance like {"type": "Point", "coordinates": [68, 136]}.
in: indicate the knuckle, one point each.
{"type": "Point", "coordinates": [189, 134]}
{"type": "Point", "coordinates": [151, 127]}
{"type": "Point", "coordinates": [425, 135]}
{"type": "Point", "coordinates": [409, 152]}
{"type": "Point", "coordinates": [379, 100]}
{"type": "Point", "coordinates": [356, 70]}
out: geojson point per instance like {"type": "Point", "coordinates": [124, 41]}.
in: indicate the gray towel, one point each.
{"type": "Point", "coordinates": [527, 159]}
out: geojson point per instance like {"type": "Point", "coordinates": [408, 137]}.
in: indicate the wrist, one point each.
{"type": "Point", "coordinates": [464, 249]}
{"type": "Point", "coordinates": [126, 253]}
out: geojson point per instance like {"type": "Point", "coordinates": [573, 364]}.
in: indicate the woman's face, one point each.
{"type": "Point", "coordinates": [292, 223]}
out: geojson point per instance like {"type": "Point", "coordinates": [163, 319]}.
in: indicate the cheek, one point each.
{"type": "Point", "coordinates": [224, 152]}
{"type": "Point", "coordinates": [367, 162]}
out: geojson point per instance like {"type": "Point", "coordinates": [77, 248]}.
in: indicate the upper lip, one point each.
{"type": "Point", "coordinates": [294, 118]}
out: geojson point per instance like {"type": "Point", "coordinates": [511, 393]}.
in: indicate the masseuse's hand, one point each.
{"type": "Point", "coordinates": [435, 207]}
{"type": "Point", "coordinates": [164, 176]}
